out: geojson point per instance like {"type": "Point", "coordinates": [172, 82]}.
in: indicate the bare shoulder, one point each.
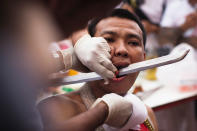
{"type": "Point", "coordinates": [59, 108]}
{"type": "Point", "coordinates": [152, 117]}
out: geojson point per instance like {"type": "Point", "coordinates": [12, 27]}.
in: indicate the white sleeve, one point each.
{"type": "Point", "coordinates": [168, 17]}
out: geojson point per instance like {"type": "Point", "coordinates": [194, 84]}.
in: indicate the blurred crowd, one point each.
{"type": "Point", "coordinates": [31, 30]}
{"type": "Point", "coordinates": [167, 23]}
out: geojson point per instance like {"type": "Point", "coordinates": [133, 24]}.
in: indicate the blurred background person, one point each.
{"type": "Point", "coordinates": [175, 22]}
{"type": "Point", "coordinates": [150, 15]}
{"type": "Point", "coordinates": [27, 28]}
{"type": "Point", "coordinates": [181, 15]}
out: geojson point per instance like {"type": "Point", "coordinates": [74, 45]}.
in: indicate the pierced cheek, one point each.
{"type": "Point", "coordinates": [143, 57]}
{"type": "Point", "coordinates": [136, 58]}
{"type": "Point", "coordinates": [111, 51]}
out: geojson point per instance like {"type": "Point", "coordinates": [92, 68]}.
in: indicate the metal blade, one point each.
{"type": "Point", "coordinates": [140, 66]}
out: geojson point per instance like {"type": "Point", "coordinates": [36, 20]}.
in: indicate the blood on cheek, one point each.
{"type": "Point", "coordinates": [117, 73]}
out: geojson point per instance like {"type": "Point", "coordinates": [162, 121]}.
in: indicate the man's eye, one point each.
{"type": "Point", "coordinates": [109, 40]}
{"type": "Point", "coordinates": [134, 43]}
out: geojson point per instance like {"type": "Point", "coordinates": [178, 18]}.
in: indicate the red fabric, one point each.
{"type": "Point", "coordinates": [142, 128]}
{"type": "Point", "coordinates": [63, 46]}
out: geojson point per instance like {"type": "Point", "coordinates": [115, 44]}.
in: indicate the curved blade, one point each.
{"type": "Point", "coordinates": [140, 66]}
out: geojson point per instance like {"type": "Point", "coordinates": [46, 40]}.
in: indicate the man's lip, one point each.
{"type": "Point", "coordinates": [118, 79]}
{"type": "Point", "coordinates": [120, 65]}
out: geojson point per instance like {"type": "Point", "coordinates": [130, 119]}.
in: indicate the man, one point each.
{"type": "Point", "coordinates": [26, 31]}
{"type": "Point", "coordinates": [183, 20]}
{"type": "Point", "coordinates": [100, 106]}
{"type": "Point", "coordinates": [149, 14]}
{"type": "Point", "coordinates": [150, 18]}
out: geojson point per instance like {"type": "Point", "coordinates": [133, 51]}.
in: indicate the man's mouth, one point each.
{"type": "Point", "coordinates": [118, 79]}
{"type": "Point", "coordinates": [119, 66]}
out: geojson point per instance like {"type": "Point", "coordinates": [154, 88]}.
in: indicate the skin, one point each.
{"type": "Point", "coordinates": [150, 28]}
{"type": "Point", "coordinates": [190, 22]}
{"type": "Point", "coordinates": [126, 42]}
{"type": "Point", "coordinates": [192, 40]}
{"type": "Point", "coordinates": [192, 2]}
{"type": "Point", "coordinates": [152, 117]}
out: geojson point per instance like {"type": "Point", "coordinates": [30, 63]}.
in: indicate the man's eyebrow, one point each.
{"type": "Point", "coordinates": [108, 32]}
{"type": "Point", "coordinates": [134, 36]}
{"type": "Point", "coordinates": [128, 35]}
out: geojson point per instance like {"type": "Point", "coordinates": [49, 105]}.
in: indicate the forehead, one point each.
{"type": "Point", "coordinates": [118, 24]}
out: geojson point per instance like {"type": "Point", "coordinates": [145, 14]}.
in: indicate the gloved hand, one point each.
{"type": "Point", "coordinates": [93, 52]}
{"type": "Point", "coordinates": [68, 57]}
{"type": "Point", "coordinates": [120, 109]}
{"type": "Point", "coordinates": [139, 114]}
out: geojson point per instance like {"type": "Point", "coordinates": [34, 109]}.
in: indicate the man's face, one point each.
{"type": "Point", "coordinates": [126, 42]}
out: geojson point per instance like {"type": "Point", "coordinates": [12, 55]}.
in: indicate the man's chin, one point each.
{"type": "Point", "coordinates": [117, 87]}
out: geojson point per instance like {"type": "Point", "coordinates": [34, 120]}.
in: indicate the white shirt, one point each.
{"type": "Point", "coordinates": [153, 9]}
{"type": "Point", "coordinates": [176, 13]}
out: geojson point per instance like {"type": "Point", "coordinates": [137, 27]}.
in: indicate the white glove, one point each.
{"type": "Point", "coordinates": [139, 114]}
{"type": "Point", "coordinates": [68, 55]}
{"type": "Point", "coordinates": [93, 52]}
{"type": "Point", "coordinates": [69, 58]}
{"type": "Point", "coordinates": [120, 109]}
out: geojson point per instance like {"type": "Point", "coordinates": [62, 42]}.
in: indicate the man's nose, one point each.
{"type": "Point", "coordinates": [121, 50]}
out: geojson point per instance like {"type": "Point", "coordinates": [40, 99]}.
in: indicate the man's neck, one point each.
{"type": "Point", "coordinates": [97, 89]}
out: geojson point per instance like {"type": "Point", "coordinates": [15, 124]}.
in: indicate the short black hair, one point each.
{"type": "Point", "coordinates": [121, 13]}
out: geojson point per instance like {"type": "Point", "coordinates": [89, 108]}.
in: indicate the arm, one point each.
{"type": "Point", "coordinates": [191, 21]}
{"type": "Point", "coordinates": [149, 27]}
{"type": "Point", "coordinates": [92, 52]}
{"type": "Point", "coordinates": [61, 113]}
{"type": "Point", "coordinates": [192, 40]}
{"type": "Point", "coordinates": [64, 114]}
{"type": "Point", "coordinates": [152, 118]}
